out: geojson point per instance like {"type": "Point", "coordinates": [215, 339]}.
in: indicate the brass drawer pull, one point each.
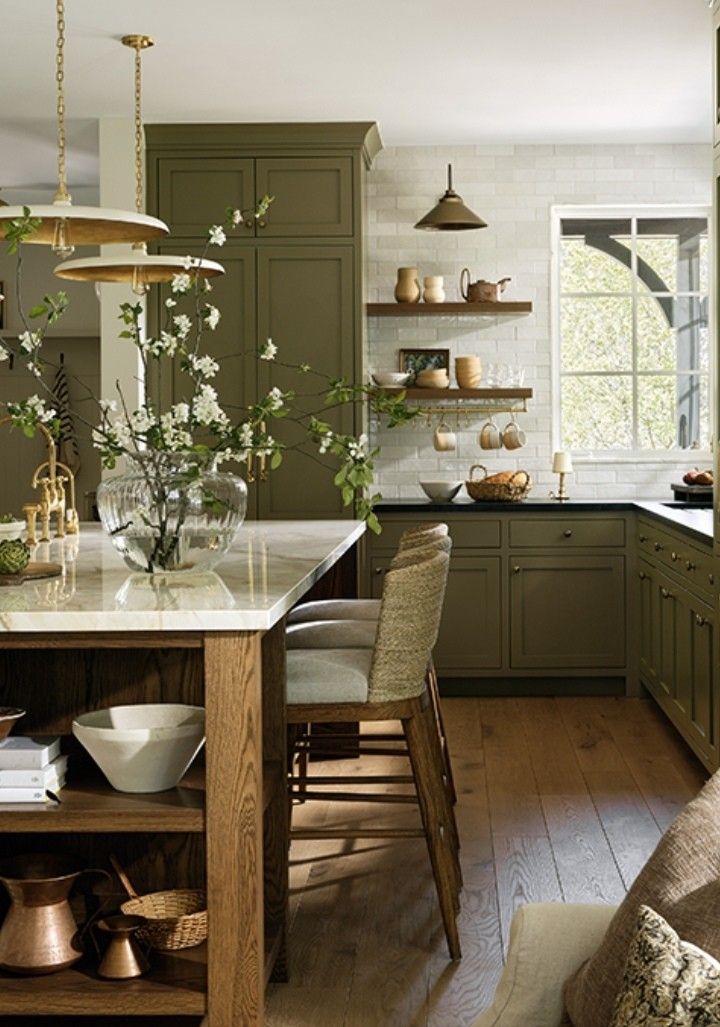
{"type": "Point", "coordinates": [673, 557]}
{"type": "Point", "coordinates": [711, 579]}
{"type": "Point", "coordinates": [658, 546]}
{"type": "Point", "coordinates": [643, 538]}
{"type": "Point", "coordinates": [700, 620]}
{"type": "Point", "coordinates": [379, 570]}
{"type": "Point", "coordinates": [261, 223]}
{"type": "Point", "coordinates": [249, 222]}
{"type": "Point", "coordinates": [689, 565]}
{"type": "Point", "coordinates": [516, 569]}
{"type": "Point", "coordinates": [568, 533]}
{"type": "Point", "coordinates": [642, 575]}
{"type": "Point", "coordinates": [666, 594]}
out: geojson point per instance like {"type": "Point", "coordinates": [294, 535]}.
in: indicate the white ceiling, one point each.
{"type": "Point", "coordinates": [430, 72]}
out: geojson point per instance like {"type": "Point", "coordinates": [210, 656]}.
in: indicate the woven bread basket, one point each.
{"type": "Point", "coordinates": [174, 919]}
{"type": "Point", "coordinates": [506, 487]}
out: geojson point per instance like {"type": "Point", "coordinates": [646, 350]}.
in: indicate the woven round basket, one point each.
{"type": "Point", "coordinates": [175, 919]}
{"type": "Point", "coordinates": [490, 490]}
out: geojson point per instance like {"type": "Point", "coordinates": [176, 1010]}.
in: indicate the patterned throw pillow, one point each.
{"type": "Point", "coordinates": [668, 982]}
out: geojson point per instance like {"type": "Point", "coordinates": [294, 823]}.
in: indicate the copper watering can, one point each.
{"type": "Point", "coordinates": [481, 291]}
{"type": "Point", "coordinates": [39, 934]}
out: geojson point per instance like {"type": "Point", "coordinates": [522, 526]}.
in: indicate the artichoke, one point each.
{"type": "Point", "coordinates": [14, 556]}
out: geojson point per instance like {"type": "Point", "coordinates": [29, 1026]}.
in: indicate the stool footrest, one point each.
{"type": "Point", "coordinates": [308, 834]}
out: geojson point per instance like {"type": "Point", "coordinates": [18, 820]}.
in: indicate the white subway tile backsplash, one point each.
{"type": "Point", "coordinates": [513, 187]}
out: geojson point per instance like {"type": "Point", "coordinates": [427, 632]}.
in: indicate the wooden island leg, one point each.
{"type": "Point", "coordinates": [234, 830]}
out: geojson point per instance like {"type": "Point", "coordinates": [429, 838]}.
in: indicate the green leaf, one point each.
{"type": "Point", "coordinates": [373, 524]}
{"type": "Point", "coordinates": [275, 460]}
{"type": "Point", "coordinates": [39, 311]}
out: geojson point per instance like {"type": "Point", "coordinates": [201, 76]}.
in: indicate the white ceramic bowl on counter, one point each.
{"type": "Point", "coordinates": [143, 748]}
{"type": "Point", "coordinates": [441, 491]}
{"type": "Point", "coordinates": [391, 379]}
{"type": "Point", "coordinates": [12, 530]}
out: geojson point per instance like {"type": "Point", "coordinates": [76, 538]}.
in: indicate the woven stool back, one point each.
{"type": "Point", "coordinates": [421, 535]}
{"type": "Point", "coordinates": [410, 555]}
{"type": "Point", "coordinates": [408, 626]}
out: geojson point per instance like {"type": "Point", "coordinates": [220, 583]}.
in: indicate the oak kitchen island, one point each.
{"type": "Point", "coordinates": [98, 636]}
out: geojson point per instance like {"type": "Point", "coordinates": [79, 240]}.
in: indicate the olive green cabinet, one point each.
{"type": "Point", "coordinates": [295, 274]}
{"type": "Point", "coordinates": [566, 611]}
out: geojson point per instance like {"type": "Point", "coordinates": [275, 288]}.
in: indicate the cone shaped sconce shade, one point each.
{"type": "Point", "coordinates": [450, 214]}
{"type": "Point", "coordinates": [62, 225]}
{"type": "Point", "coordinates": [137, 268]}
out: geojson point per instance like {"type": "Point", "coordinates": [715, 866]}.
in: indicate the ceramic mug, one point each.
{"type": "Point", "coordinates": [513, 437]}
{"type": "Point", "coordinates": [444, 440]}
{"type": "Point", "coordinates": [490, 436]}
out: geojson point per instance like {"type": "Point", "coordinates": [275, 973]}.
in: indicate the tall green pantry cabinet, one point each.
{"type": "Point", "coordinates": [295, 275]}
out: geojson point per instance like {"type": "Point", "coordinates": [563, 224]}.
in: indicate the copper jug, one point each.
{"type": "Point", "coordinates": [481, 291]}
{"type": "Point", "coordinates": [39, 934]}
{"type": "Point", "coordinates": [123, 958]}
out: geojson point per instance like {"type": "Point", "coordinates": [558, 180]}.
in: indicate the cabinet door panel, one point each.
{"type": "Point", "coordinates": [567, 611]}
{"type": "Point", "coordinates": [716, 73]}
{"type": "Point", "coordinates": [312, 196]}
{"type": "Point", "coordinates": [704, 676]}
{"type": "Point", "coordinates": [194, 192]}
{"type": "Point", "coordinates": [647, 623]}
{"type": "Point", "coordinates": [470, 631]}
{"type": "Point", "coordinates": [306, 304]}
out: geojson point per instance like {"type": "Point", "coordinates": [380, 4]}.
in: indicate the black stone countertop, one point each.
{"type": "Point", "coordinates": [697, 523]}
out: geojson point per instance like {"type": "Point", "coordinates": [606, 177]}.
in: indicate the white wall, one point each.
{"type": "Point", "coordinates": [512, 188]}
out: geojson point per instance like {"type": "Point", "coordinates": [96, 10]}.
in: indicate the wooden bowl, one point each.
{"type": "Point", "coordinates": [9, 715]}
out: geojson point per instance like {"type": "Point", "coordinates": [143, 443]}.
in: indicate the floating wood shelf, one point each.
{"type": "Point", "coordinates": [92, 806]}
{"type": "Point", "coordinates": [175, 986]}
{"type": "Point", "coordinates": [443, 309]}
{"type": "Point", "coordinates": [478, 395]}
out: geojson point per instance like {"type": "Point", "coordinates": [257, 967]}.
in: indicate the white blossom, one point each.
{"type": "Point", "coordinates": [29, 341]}
{"type": "Point", "coordinates": [168, 343]}
{"type": "Point", "coordinates": [108, 405]}
{"type": "Point", "coordinates": [170, 303]}
{"type": "Point", "coordinates": [190, 262]}
{"type": "Point", "coordinates": [217, 236]}
{"type": "Point", "coordinates": [181, 413]}
{"type": "Point", "coordinates": [212, 317]}
{"type": "Point", "coordinates": [269, 351]}
{"type": "Point", "coordinates": [236, 217]}
{"type": "Point", "coordinates": [34, 368]}
{"type": "Point", "coordinates": [204, 367]}
{"type": "Point", "coordinates": [181, 283]}
{"type": "Point", "coordinates": [246, 435]}
{"type": "Point", "coordinates": [142, 420]}
{"type": "Point", "coordinates": [183, 325]}
{"type": "Point", "coordinates": [206, 409]}
{"type": "Point", "coordinates": [4, 355]}
{"type": "Point", "coordinates": [275, 399]}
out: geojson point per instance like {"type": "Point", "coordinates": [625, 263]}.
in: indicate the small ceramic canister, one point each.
{"type": "Point", "coordinates": [407, 288]}
{"type": "Point", "coordinates": [432, 378]}
{"type": "Point", "coordinates": [444, 440]}
{"type": "Point", "coordinates": [468, 372]}
{"type": "Point", "coordinates": [434, 291]}
{"type": "Point", "coordinates": [490, 436]}
{"type": "Point", "coordinates": [513, 437]}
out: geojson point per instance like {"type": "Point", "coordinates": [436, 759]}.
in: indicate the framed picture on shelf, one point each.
{"type": "Point", "coordinates": [414, 360]}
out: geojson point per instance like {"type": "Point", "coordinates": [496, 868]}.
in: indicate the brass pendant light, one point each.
{"type": "Point", "coordinates": [138, 268]}
{"type": "Point", "coordinates": [63, 226]}
{"type": "Point", "coordinates": [450, 214]}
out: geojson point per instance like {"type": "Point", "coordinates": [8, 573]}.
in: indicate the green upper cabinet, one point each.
{"type": "Point", "coordinates": [193, 192]}
{"type": "Point", "coordinates": [313, 196]}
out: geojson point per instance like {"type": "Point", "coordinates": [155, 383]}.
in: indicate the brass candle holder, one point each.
{"type": "Point", "coordinates": [562, 465]}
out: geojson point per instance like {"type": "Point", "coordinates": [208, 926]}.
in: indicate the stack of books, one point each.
{"type": "Point", "coordinates": [31, 769]}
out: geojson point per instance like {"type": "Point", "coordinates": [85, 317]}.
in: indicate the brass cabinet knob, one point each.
{"type": "Point", "coordinates": [642, 575]}
{"type": "Point", "coordinates": [673, 557]}
{"type": "Point", "coordinates": [379, 570]}
{"type": "Point", "coordinates": [568, 533]}
{"type": "Point", "coordinates": [658, 547]}
{"type": "Point", "coordinates": [689, 565]}
{"type": "Point", "coordinates": [666, 594]}
{"type": "Point", "coordinates": [261, 223]}
{"type": "Point", "coordinates": [711, 579]}
{"type": "Point", "coordinates": [643, 538]}
{"type": "Point", "coordinates": [249, 222]}
{"type": "Point", "coordinates": [516, 569]}
{"type": "Point", "coordinates": [700, 620]}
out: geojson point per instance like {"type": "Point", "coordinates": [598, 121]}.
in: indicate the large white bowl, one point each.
{"type": "Point", "coordinates": [441, 491]}
{"type": "Point", "coordinates": [144, 748]}
{"type": "Point", "coordinates": [12, 530]}
{"type": "Point", "coordinates": [391, 379]}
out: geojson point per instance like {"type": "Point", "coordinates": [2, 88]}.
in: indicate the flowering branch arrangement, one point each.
{"type": "Point", "coordinates": [195, 431]}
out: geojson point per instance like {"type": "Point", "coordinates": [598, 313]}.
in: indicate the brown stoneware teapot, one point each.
{"type": "Point", "coordinates": [481, 291]}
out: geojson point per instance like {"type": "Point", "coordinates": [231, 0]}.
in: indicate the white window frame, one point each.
{"type": "Point", "coordinates": [558, 213]}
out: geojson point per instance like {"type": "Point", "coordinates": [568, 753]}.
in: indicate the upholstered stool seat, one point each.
{"type": "Point", "coordinates": [335, 609]}
{"type": "Point", "coordinates": [332, 634]}
{"type": "Point", "coordinates": [328, 675]}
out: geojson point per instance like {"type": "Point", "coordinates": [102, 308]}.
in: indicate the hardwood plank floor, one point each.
{"type": "Point", "coordinates": [558, 800]}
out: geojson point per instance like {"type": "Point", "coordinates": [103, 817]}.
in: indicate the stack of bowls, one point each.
{"type": "Point", "coordinates": [433, 379]}
{"type": "Point", "coordinates": [468, 371]}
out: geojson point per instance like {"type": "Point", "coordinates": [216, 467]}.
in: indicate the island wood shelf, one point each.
{"type": "Point", "coordinates": [443, 309]}
{"type": "Point", "coordinates": [90, 805]}
{"type": "Point", "coordinates": [478, 395]}
{"type": "Point", "coordinates": [176, 985]}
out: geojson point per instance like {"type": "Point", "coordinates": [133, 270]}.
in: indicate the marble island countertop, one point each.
{"type": "Point", "coordinates": [269, 568]}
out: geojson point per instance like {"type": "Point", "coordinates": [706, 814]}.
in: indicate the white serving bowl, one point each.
{"type": "Point", "coordinates": [441, 491]}
{"type": "Point", "coordinates": [12, 530]}
{"type": "Point", "coordinates": [144, 748]}
{"type": "Point", "coordinates": [391, 379]}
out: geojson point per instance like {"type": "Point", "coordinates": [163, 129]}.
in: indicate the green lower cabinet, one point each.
{"type": "Point", "coordinates": [567, 611]}
{"type": "Point", "coordinates": [679, 634]}
{"type": "Point", "coordinates": [471, 630]}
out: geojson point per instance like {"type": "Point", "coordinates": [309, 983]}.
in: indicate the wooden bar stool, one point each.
{"type": "Point", "coordinates": [389, 682]}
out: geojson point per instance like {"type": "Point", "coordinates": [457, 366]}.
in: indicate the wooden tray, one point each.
{"type": "Point", "coordinates": [693, 493]}
{"type": "Point", "coordinates": [33, 572]}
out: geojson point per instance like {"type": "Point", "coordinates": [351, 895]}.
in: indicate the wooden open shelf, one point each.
{"type": "Point", "coordinates": [442, 309]}
{"type": "Point", "coordinates": [90, 805]}
{"type": "Point", "coordinates": [478, 395]}
{"type": "Point", "coordinates": [175, 986]}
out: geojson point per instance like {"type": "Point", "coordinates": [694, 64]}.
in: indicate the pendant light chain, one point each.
{"type": "Point", "coordinates": [62, 195]}
{"type": "Point", "coordinates": [138, 132]}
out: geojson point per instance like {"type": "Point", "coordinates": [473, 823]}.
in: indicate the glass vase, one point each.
{"type": "Point", "coordinates": [172, 513]}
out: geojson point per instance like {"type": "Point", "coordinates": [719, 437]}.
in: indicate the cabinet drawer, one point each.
{"type": "Point", "coordinates": [568, 532]}
{"type": "Point", "coordinates": [465, 532]}
{"type": "Point", "coordinates": [693, 565]}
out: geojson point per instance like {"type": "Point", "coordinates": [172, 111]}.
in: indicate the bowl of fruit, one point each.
{"type": "Point", "coordinates": [697, 487]}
